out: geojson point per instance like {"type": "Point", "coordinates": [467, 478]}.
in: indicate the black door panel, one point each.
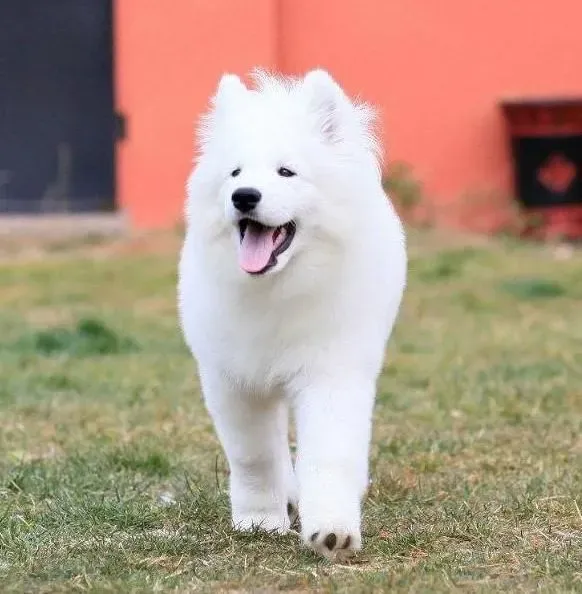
{"type": "Point", "coordinates": [56, 106]}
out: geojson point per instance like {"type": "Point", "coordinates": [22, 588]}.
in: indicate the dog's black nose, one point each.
{"type": "Point", "coordinates": [245, 199]}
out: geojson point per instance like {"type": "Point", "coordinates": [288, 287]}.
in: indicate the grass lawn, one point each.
{"type": "Point", "coordinates": [111, 479]}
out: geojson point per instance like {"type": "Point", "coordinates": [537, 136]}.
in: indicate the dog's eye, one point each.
{"type": "Point", "coordinates": [235, 172]}
{"type": "Point", "coordinates": [284, 172]}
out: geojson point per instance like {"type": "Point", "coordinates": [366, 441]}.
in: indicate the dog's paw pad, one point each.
{"type": "Point", "coordinates": [330, 541]}
{"type": "Point", "coordinates": [293, 514]}
{"type": "Point", "coordinates": [334, 545]}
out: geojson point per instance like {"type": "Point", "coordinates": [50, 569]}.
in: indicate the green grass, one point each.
{"type": "Point", "coordinates": [111, 478]}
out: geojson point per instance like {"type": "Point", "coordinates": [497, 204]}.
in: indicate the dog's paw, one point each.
{"type": "Point", "coordinates": [268, 522]}
{"type": "Point", "coordinates": [334, 543]}
{"type": "Point", "coordinates": [293, 514]}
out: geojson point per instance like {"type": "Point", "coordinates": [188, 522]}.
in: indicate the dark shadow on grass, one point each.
{"type": "Point", "coordinates": [88, 337]}
{"type": "Point", "coordinates": [532, 288]}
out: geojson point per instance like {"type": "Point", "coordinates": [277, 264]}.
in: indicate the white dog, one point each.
{"type": "Point", "coordinates": [291, 277]}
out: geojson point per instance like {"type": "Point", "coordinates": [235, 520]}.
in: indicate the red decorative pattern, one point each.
{"type": "Point", "coordinates": [557, 173]}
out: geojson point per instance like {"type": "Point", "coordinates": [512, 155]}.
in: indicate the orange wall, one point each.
{"type": "Point", "coordinates": [436, 70]}
{"type": "Point", "coordinates": [169, 56]}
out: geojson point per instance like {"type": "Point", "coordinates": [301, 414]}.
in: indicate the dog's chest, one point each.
{"type": "Point", "coordinates": [270, 347]}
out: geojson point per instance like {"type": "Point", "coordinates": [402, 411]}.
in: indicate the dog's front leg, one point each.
{"type": "Point", "coordinates": [254, 434]}
{"type": "Point", "coordinates": [333, 436]}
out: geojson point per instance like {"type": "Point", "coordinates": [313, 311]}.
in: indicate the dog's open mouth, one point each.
{"type": "Point", "coordinates": [261, 245]}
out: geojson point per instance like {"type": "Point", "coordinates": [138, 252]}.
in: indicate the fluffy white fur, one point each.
{"type": "Point", "coordinates": [308, 335]}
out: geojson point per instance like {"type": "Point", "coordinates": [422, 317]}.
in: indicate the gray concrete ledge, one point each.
{"type": "Point", "coordinates": [63, 226]}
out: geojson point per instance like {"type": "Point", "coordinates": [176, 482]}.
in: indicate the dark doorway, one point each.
{"type": "Point", "coordinates": [549, 170]}
{"type": "Point", "coordinates": [56, 106]}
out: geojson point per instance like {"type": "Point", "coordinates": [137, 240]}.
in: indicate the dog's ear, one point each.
{"type": "Point", "coordinates": [229, 87]}
{"type": "Point", "coordinates": [327, 102]}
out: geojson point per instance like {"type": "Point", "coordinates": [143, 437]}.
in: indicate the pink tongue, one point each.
{"type": "Point", "coordinates": [256, 248]}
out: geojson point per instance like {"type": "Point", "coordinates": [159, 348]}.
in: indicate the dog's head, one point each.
{"type": "Point", "coordinates": [276, 163]}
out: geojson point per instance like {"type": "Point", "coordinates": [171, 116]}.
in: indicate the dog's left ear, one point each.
{"type": "Point", "coordinates": [327, 102]}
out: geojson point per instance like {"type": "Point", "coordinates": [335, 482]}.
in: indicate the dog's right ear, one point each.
{"type": "Point", "coordinates": [229, 88]}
